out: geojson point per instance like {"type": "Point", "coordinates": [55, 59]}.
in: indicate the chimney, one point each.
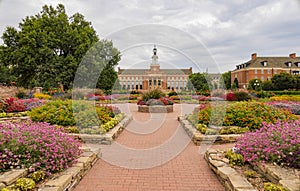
{"type": "Point", "coordinates": [253, 56]}
{"type": "Point", "coordinates": [293, 55]}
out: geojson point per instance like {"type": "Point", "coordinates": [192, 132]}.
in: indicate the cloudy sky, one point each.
{"type": "Point", "coordinates": [208, 35]}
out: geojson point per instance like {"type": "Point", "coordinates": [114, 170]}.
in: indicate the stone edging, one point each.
{"type": "Point", "coordinates": [199, 138]}
{"type": "Point", "coordinates": [108, 137]}
{"type": "Point", "coordinates": [66, 180]}
{"type": "Point", "coordinates": [5, 119]}
{"type": "Point", "coordinates": [227, 175]}
{"type": "Point", "coordinates": [155, 108]}
{"type": "Point", "coordinates": [279, 175]}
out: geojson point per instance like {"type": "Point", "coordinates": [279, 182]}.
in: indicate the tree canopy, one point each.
{"type": "Point", "coordinates": [201, 81]}
{"type": "Point", "coordinates": [48, 47]}
{"type": "Point", "coordinates": [283, 81]}
{"type": "Point", "coordinates": [225, 81]}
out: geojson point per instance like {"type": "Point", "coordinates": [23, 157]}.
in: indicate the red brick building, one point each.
{"type": "Point", "coordinates": [264, 68]}
{"type": "Point", "coordinates": [154, 77]}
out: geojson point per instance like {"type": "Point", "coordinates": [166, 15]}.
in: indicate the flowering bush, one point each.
{"type": "Point", "coordinates": [19, 105]}
{"type": "Point", "coordinates": [14, 105]}
{"type": "Point", "coordinates": [154, 102]}
{"type": "Point", "coordinates": [285, 98]}
{"type": "Point", "coordinates": [63, 112]}
{"type": "Point", "coordinates": [230, 96]}
{"type": "Point", "coordinates": [243, 114]}
{"type": "Point", "coordinates": [291, 106]}
{"type": "Point", "coordinates": [41, 96]}
{"type": "Point", "coordinates": [141, 102]}
{"type": "Point", "coordinates": [166, 101]}
{"type": "Point", "coordinates": [279, 143]}
{"type": "Point", "coordinates": [37, 146]}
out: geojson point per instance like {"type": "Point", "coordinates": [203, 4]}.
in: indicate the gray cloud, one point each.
{"type": "Point", "coordinates": [230, 31]}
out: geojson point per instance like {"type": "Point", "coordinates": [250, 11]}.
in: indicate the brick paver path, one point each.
{"type": "Point", "coordinates": [152, 153]}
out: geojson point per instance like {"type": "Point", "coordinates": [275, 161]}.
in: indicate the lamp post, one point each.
{"type": "Point", "coordinates": [256, 85]}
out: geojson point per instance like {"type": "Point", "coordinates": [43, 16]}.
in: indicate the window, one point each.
{"type": "Point", "coordinates": [275, 71]}
{"type": "Point", "coordinates": [269, 71]}
{"type": "Point", "coordinates": [262, 71]}
{"type": "Point", "coordinates": [262, 78]}
{"type": "Point", "coordinates": [265, 63]}
{"type": "Point", "coordinates": [269, 78]}
{"type": "Point", "coordinates": [255, 71]}
{"type": "Point", "coordinates": [289, 64]}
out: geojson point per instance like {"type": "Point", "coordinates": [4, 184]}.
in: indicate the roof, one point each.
{"type": "Point", "coordinates": [146, 71]}
{"type": "Point", "coordinates": [272, 62]}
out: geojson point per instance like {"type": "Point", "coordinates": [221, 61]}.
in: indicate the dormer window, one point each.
{"type": "Point", "coordinates": [265, 63]}
{"type": "Point", "coordinates": [298, 64]}
{"type": "Point", "coordinates": [289, 64]}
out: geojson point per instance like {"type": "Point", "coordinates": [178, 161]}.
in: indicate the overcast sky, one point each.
{"type": "Point", "coordinates": [210, 35]}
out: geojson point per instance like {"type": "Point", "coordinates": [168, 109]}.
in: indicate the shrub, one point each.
{"type": "Point", "coordinates": [14, 105]}
{"type": "Point", "coordinates": [154, 102]}
{"type": "Point", "coordinates": [37, 176]}
{"type": "Point", "coordinates": [279, 143]}
{"type": "Point", "coordinates": [41, 96]}
{"type": "Point", "coordinates": [37, 146]}
{"type": "Point", "coordinates": [172, 93]}
{"type": "Point", "coordinates": [243, 114]}
{"type": "Point", "coordinates": [166, 101]}
{"type": "Point", "coordinates": [242, 96]}
{"type": "Point", "coordinates": [21, 94]}
{"type": "Point", "coordinates": [234, 158]}
{"type": "Point", "coordinates": [63, 112]}
{"type": "Point", "coordinates": [268, 186]}
{"type": "Point", "coordinates": [25, 184]}
{"type": "Point", "coordinates": [141, 102]}
{"type": "Point", "coordinates": [230, 96]}
{"type": "Point", "coordinates": [55, 112]}
{"type": "Point", "coordinates": [154, 94]}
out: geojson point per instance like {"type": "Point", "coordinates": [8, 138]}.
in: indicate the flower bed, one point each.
{"type": "Point", "coordinates": [155, 102]}
{"type": "Point", "coordinates": [278, 143]}
{"type": "Point", "coordinates": [292, 106]}
{"type": "Point", "coordinates": [37, 146]}
{"type": "Point", "coordinates": [241, 114]}
{"type": "Point", "coordinates": [81, 114]}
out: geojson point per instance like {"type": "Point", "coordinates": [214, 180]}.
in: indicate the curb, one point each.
{"type": "Point", "coordinates": [199, 138]}
{"type": "Point", "coordinates": [107, 138]}
{"type": "Point", "coordinates": [227, 175]}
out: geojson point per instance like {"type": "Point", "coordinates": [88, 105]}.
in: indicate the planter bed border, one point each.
{"type": "Point", "coordinates": [107, 138]}
{"type": "Point", "coordinates": [232, 180]}
{"type": "Point", "coordinates": [65, 180]}
{"type": "Point", "coordinates": [155, 108]}
{"type": "Point", "coordinates": [199, 138]}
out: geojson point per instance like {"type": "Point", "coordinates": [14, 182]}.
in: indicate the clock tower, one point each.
{"type": "Point", "coordinates": [154, 67]}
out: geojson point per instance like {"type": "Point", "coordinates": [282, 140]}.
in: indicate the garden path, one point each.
{"type": "Point", "coordinates": [152, 153]}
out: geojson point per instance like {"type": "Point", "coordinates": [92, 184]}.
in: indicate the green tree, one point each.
{"type": "Point", "coordinates": [225, 81]}
{"type": "Point", "coordinates": [267, 85]}
{"type": "Point", "coordinates": [255, 84]}
{"type": "Point", "coordinates": [297, 79]}
{"type": "Point", "coordinates": [235, 83]}
{"type": "Point", "coordinates": [283, 81]}
{"type": "Point", "coordinates": [48, 47]}
{"type": "Point", "coordinates": [201, 81]}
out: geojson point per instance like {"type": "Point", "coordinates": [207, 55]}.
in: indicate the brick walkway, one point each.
{"type": "Point", "coordinates": [153, 153]}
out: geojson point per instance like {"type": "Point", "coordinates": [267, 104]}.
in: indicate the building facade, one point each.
{"type": "Point", "coordinates": [154, 77]}
{"type": "Point", "coordinates": [264, 68]}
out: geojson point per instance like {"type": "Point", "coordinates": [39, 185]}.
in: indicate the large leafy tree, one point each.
{"type": "Point", "coordinates": [283, 81]}
{"type": "Point", "coordinates": [201, 81]}
{"type": "Point", "coordinates": [48, 47]}
{"type": "Point", "coordinates": [225, 81]}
